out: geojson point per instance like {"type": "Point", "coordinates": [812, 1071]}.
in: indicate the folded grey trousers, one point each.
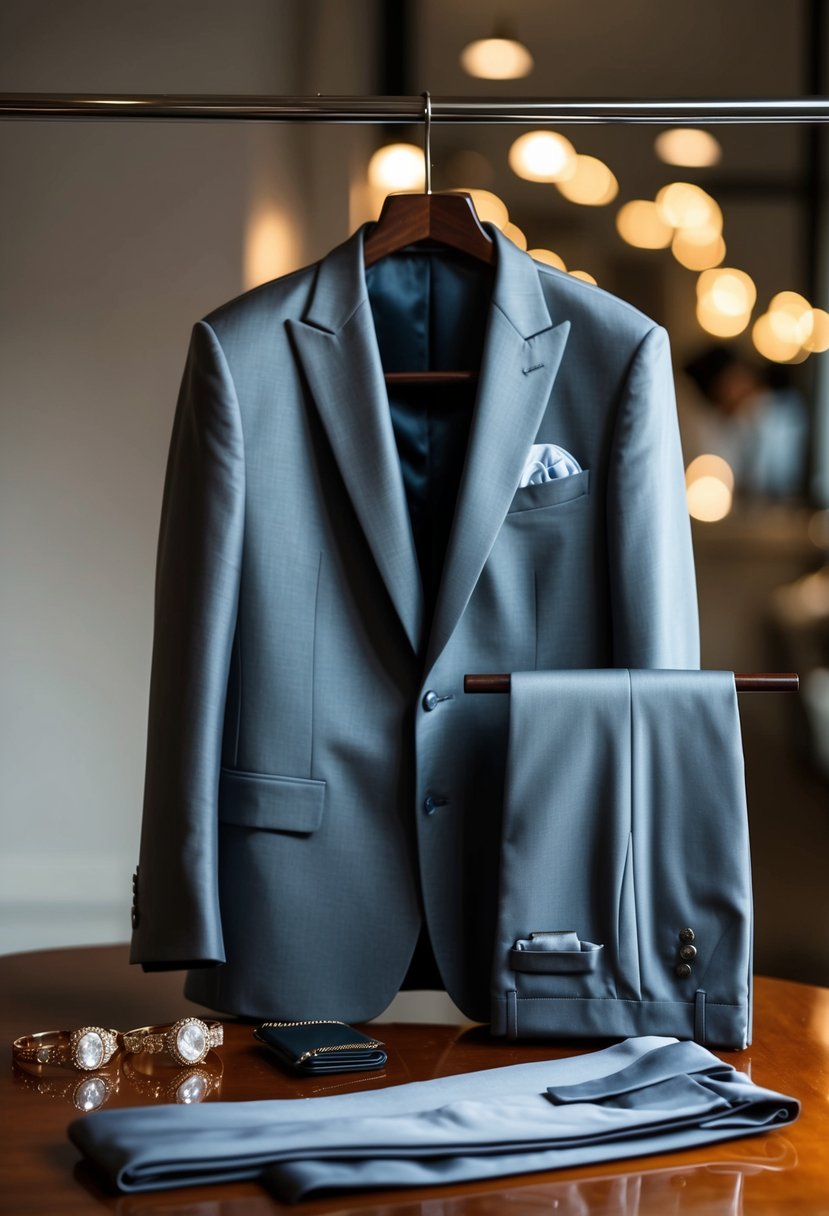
{"type": "Point", "coordinates": [642, 1096]}
{"type": "Point", "coordinates": [624, 898]}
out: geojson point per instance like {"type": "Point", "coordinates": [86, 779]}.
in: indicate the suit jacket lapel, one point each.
{"type": "Point", "coordinates": [337, 346]}
{"type": "Point", "coordinates": [522, 353]}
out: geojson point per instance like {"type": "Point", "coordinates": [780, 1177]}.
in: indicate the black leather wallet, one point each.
{"type": "Point", "coordinates": [321, 1047]}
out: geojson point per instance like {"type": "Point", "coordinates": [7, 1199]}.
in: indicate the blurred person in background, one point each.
{"type": "Point", "coordinates": [751, 417]}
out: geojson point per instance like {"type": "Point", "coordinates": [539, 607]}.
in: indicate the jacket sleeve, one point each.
{"type": "Point", "coordinates": [176, 914]}
{"type": "Point", "coordinates": [652, 584]}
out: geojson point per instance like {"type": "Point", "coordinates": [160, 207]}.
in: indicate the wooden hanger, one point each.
{"type": "Point", "coordinates": [449, 219]}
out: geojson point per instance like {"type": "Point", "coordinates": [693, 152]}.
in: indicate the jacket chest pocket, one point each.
{"type": "Point", "coordinates": [551, 493]}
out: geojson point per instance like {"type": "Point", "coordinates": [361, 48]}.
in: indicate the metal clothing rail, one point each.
{"type": "Point", "coordinates": [431, 110]}
{"type": "Point", "coordinates": [391, 110]}
{"type": "Point", "coordinates": [758, 681]}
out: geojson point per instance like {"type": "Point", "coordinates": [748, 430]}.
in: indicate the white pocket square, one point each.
{"type": "Point", "coordinates": [547, 462]}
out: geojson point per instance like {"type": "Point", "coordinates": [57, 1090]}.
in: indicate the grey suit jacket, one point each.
{"type": "Point", "coordinates": [332, 553]}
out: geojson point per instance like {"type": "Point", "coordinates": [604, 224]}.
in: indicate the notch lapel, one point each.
{"type": "Point", "coordinates": [522, 353]}
{"type": "Point", "coordinates": [336, 344]}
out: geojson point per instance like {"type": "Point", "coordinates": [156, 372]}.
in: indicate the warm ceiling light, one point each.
{"type": "Point", "coordinates": [684, 205]}
{"type": "Point", "coordinates": [709, 499]}
{"type": "Point", "coordinates": [488, 206]}
{"type": "Point", "coordinates": [709, 465]}
{"type": "Point", "coordinates": [584, 276]}
{"type": "Point", "coordinates": [790, 317]}
{"type": "Point", "coordinates": [731, 292]}
{"type": "Point", "coordinates": [695, 254]}
{"type": "Point", "coordinates": [818, 338]}
{"type": "Point", "coordinates": [592, 183]}
{"type": "Point", "coordinates": [514, 233]}
{"type": "Point", "coordinates": [709, 488]}
{"type": "Point", "coordinates": [640, 223]}
{"type": "Point", "coordinates": [542, 156]}
{"type": "Point", "coordinates": [496, 59]}
{"type": "Point", "coordinates": [397, 167]}
{"type": "Point", "coordinates": [552, 259]}
{"type": "Point", "coordinates": [721, 325]}
{"type": "Point", "coordinates": [788, 328]}
{"type": "Point", "coordinates": [687, 146]}
{"type": "Point", "coordinates": [771, 346]}
{"type": "Point", "coordinates": [790, 302]}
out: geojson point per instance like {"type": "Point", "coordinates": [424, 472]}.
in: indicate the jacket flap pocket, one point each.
{"type": "Point", "coordinates": [274, 804]}
{"type": "Point", "coordinates": [554, 952]}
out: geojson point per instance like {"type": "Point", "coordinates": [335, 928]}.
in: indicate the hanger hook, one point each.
{"type": "Point", "coordinates": [427, 140]}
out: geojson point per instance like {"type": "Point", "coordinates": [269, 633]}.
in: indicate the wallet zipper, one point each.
{"type": "Point", "coordinates": [312, 1022]}
{"type": "Point", "coordinates": [318, 1051]}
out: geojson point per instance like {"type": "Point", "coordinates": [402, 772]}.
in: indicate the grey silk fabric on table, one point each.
{"type": "Point", "coordinates": [643, 1096]}
{"type": "Point", "coordinates": [334, 556]}
{"type": "Point", "coordinates": [625, 826]}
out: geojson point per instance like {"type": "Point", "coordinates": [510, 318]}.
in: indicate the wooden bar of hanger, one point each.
{"type": "Point", "coordinates": [753, 681]}
{"type": "Point", "coordinates": [396, 378]}
{"type": "Point", "coordinates": [450, 219]}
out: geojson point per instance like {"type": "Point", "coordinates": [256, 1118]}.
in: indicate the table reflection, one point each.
{"type": "Point", "coordinates": [715, 1187]}
{"type": "Point", "coordinates": [152, 1082]}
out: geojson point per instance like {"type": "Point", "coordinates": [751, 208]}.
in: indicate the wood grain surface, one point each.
{"type": "Point", "coordinates": [41, 1173]}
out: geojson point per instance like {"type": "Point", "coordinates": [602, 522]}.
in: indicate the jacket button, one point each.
{"type": "Point", "coordinates": [686, 935]}
{"type": "Point", "coordinates": [683, 971]}
{"type": "Point", "coordinates": [430, 700]}
{"type": "Point", "coordinates": [432, 801]}
{"type": "Point", "coordinates": [687, 953]}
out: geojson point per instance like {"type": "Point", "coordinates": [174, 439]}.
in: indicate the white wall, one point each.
{"type": "Point", "coordinates": [114, 239]}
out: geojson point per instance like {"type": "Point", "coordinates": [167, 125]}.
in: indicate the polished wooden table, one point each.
{"type": "Point", "coordinates": [40, 1172]}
